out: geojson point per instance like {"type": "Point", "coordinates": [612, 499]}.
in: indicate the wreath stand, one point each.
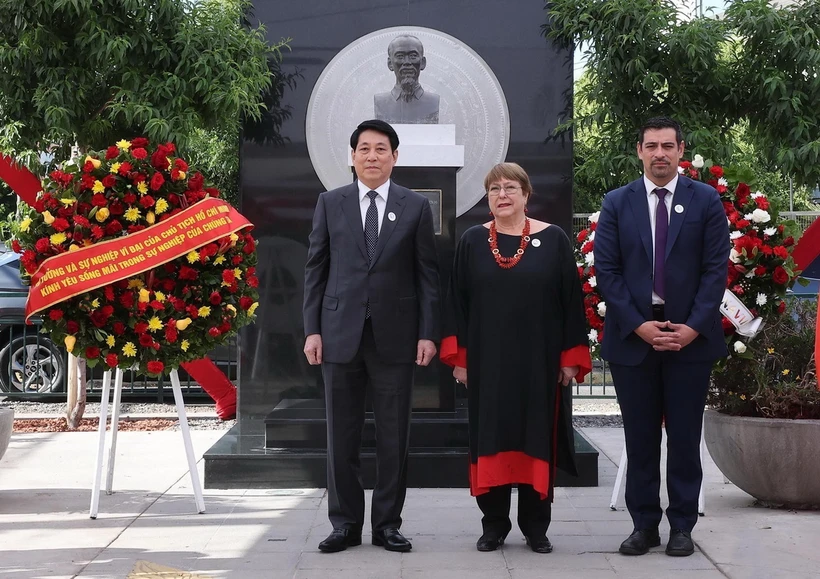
{"type": "Point", "coordinates": [115, 417]}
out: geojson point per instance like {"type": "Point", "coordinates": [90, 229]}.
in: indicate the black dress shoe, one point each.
{"type": "Point", "coordinates": [539, 544]}
{"type": "Point", "coordinates": [340, 539]}
{"type": "Point", "coordinates": [640, 541]}
{"type": "Point", "coordinates": [680, 543]}
{"type": "Point", "coordinates": [392, 540]}
{"type": "Point", "coordinates": [489, 542]}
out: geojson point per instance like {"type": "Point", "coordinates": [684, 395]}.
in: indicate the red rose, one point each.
{"type": "Point", "coordinates": [781, 252]}
{"type": "Point", "coordinates": [780, 228]}
{"type": "Point", "coordinates": [111, 360]}
{"type": "Point", "coordinates": [92, 352]}
{"type": "Point", "coordinates": [155, 367]}
{"type": "Point", "coordinates": [119, 328]}
{"type": "Point", "coordinates": [127, 300]}
{"type": "Point", "coordinates": [171, 334]}
{"type": "Point", "coordinates": [693, 174]}
{"type": "Point", "coordinates": [214, 332]}
{"type": "Point", "coordinates": [196, 181]}
{"type": "Point", "coordinates": [766, 249]}
{"type": "Point", "coordinates": [148, 201]}
{"type": "Point", "coordinates": [55, 315]}
{"type": "Point", "coordinates": [146, 341]}
{"type": "Point", "coordinates": [160, 159]}
{"type": "Point", "coordinates": [685, 164]}
{"type": "Point", "coordinates": [42, 245]}
{"type": "Point", "coordinates": [742, 191]}
{"type": "Point", "coordinates": [180, 164]}
{"type": "Point", "coordinates": [112, 152]}
{"type": "Point", "coordinates": [716, 170]}
{"type": "Point", "coordinates": [742, 223]}
{"type": "Point", "coordinates": [124, 169]}
{"type": "Point", "coordinates": [72, 327]}
{"type": "Point", "coordinates": [113, 228]}
{"type": "Point", "coordinates": [728, 328]}
{"type": "Point", "coordinates": [582, 235]}
{"type": "Point", "coordinates": [588, 289]}
{"type": "Point", "coordinates": [98, 318]}
{"type": "Point", "coordinates": [216, 298]}
{"type": "Point", "coordinates": [187, 273]}
{"type": "Point", "coordinates": [129, 198]}
{"type": "Point", "coordinates": [139, 153]}
{"type": "Point", "coordinates": [88, 166]}
{"type": "Point", "coordinates": [193, 312]}
{"type": "Point", "coordinates": [781, 307]}
{"type": "Point", "coordinates": [81, 221]}
{"type": "Point", "coordinates": [157, 181]}
{"type": "Point", "coordinates": [788, 242]}
{"type": "Point", "coordinates": [760, 270]}
{"type": "Point", "coordinates": [99, 200]}
{"type": "Point", "coordinates": [780, 276]}
{"type": "Point", "coordinates": [109, 181]}
{"type": "Point", "coordinates": [135, 228]}
{"type": "Point", "coordinates": [141, 327]}
{"type": "Point", "coordinates": [116, 208]}
{"type": "Point", "coordinates": [212, 192]}
{"type": "Point", "coordinates": [60, 224]}
{"type": "Point", "coordinates": [762, 203]}
{"type": "Point", "coordinates": [139, 142]}
{"type": "Point", "coordinates": [245, 302]}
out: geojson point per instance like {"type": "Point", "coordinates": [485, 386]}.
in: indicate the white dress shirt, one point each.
{"type": "Point", "coordinates": [652, 202]}
{"type": "Point", "coordinates": [381, 200]}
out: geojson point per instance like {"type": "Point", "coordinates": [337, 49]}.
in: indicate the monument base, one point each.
{"type": "Point", "coordinates": [286, 449]}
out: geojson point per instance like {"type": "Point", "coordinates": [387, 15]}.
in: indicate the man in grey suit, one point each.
{"type": "Point", "coordinates": [371, 311]}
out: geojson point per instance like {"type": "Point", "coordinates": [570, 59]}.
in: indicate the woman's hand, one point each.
{"type": "Point", "coordinates": [460, 374]}
{"type": "Point", "coordinates": [566, 374]}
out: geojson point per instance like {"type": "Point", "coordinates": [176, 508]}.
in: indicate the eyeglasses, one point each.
{"type": "Point", "coordinates": [495, 190]}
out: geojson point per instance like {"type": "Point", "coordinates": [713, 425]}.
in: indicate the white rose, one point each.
{"type": "Point", "coordinates": [592, 281]}
{"type": "Point", "coordinates": [770, 231]}
{"type": "Point", "coordinates": [697, 162]}
{"type": "Point", "coordinates": [739, 347]}
{"type": "Point", "coordinates": [602, 309]}
{"type": "Point", "coordinates": [761, 299]}
{"type": "Point", "coordinates": [735, 234]}
{"type": "Point", "coordinates": [735, 256]}
{"type": "Point", "coordinates": [593, 336]}
{"type": "Point", "coordinates": [594, 217]}
{"type": "Point", "coordinates": [760, 216]}
{"type": "Point", "coordinates": [756, 194]}
{"type": "Point", "coordinates": [589, 258]}
{"type": "Point", "coordinates": [591, 236]}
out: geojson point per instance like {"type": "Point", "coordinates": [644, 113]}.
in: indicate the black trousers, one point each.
{"type": "Point", "coordinates": [662, 391]}
{"type": "Point", "coordinates": [534, 514]}
{"type": "Point", "coordinates": [346, 387]}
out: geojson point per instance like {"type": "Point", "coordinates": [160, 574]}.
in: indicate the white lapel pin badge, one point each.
{"type": "Point", "coordinates": [678, 208]}
{"type": "Point", "coordinates": [392, 216]}
{"type": "Point", "coordinates": [536, 243]}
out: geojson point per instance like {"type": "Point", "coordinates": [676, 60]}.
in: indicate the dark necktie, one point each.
{"type": "Point", "coordinates": [661, 234]}
{"type": "Point", "coordinates": [371, 234]}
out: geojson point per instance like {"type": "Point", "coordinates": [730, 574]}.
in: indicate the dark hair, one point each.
{"type": "Point", "coordinates": [379, 127]}
{"type": "Point", "coordinates": [661, 123]}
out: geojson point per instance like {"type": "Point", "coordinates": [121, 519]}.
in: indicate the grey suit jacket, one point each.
{"type": "Point", "coordinates": [402, 282]}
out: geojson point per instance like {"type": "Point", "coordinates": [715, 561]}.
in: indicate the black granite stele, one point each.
{"type": "Point", "coordinates": [288, 450]}
{"type": "Point", "coordinates": [279, 189]}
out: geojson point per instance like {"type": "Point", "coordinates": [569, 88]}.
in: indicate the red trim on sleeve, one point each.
{"type": "Point", "coordinates": [452, 354]}
{"type": "Point", "coordinates": [577, 356]}
{"type": "Point", "coordinates": [509, 467]}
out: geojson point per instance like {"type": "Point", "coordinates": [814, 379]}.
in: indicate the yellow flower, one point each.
{"type": "Point", "coordinates": [129, 350]}
{"type": "Point", "coordinates": [73, 247]}
{"type": "Point", "coordinates": [253, 307]}
{"type": "Point", "coordinates": [110, 341]}
{"type": "Point", "coordinates": [25, 224]}
{"type": "Point", "coordinates": [68, 201]}
{"type": "Point", "coordinates": [102, 214]}
{"type": "Point", "coordinates": [234, 239]}
{"type": "Point", "coordinates": [192, 256]}
{"type": "Point", "coordinates": [57, 238]}
{"type": "Point", "coordinates": [159, 296]}
{"type": "Point", "coordinates": [48, 218]}
{"type": "Point", "coordinates": [183, 323]}
{"type": "Point", "coordinates": [770, 350]}
{"type": "Point", "coordinates": [142, 187]}
{"type": "Point", "coordinates": [69, 343]}
{"type": "Point", "coordinates": [95, 304]}
{"type": "Point", "coordinates": [220, 259]}
{"type": "Point", "coordinates": [184, 345]}
{"type": "Point", "coordinates": [98, 187]}
{"type": "Point", "coordinates": [132, 214]}
{"type": "Point", "coordinates": [785, 372]}
{"type": "Point", "coordinates": [181, 176]}
{"type": "Point", "coordinates": [115, 168]}
{"type": "Point", "coordinates": [161, 206]}
{"type": "Point", "coordinates": [743, 397]}
{"type": "Point", "coordinates": [145, 296]}
{"type": "Point", "coordinates": [93, 161]}
{"type": "Point", "coordinates": [204, 311]}
{"type": "Point", "coordinates": [124, 145]}
{"type": "Point", "coordinates": [150, 218]}
{"type": "Point", "coordinates": [154, 324]}
{"type": "Point", "coordinates": [135, 282]}
{"type": "Point", "coordinates": [237, 273]}
{"type": "Point", "coordinates": [231, 309]}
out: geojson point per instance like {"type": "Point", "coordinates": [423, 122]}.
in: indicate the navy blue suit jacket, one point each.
{"type": "Point", "coordinates": [697, 252]}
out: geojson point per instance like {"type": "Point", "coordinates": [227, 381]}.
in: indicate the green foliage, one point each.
{"type": "Point", "coordinates": [744, 85]}
{"type": "Point", "coordinates": [215, 153]}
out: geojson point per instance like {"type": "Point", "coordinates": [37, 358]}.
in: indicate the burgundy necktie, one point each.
{"type": "Point", "coordinates": [661, 233]}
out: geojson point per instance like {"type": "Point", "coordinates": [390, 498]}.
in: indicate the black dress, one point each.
{"type": "Point", "coordinates": [513, 329]}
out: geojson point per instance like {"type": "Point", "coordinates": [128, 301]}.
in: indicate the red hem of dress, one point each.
{"type": "Point", "coordinates": [577, 356]}
{"type": "Point", "coordinates": [452, 354]}
{"type": "Point", "coordinates": [510, 467]}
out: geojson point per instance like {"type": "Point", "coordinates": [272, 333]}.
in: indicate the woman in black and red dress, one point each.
{"type": "Point", "coordinates": [516, 339]}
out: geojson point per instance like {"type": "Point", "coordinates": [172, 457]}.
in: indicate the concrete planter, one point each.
{"type": "Point", "coordinates": [775, 460]}
{"type": "Point", "coordinates": [6, 423]}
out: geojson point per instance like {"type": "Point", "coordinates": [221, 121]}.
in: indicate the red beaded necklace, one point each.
{"type": "Point", "coordinates": [508, 262]}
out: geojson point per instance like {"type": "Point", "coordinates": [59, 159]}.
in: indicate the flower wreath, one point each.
{"type": "Point", "coordinates": [176, 311]}
{"type": "Point", "coordinates": [760, 268]}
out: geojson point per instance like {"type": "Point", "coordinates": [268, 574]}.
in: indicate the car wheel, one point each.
{"type": "Point", "coordinates": [31, 364]}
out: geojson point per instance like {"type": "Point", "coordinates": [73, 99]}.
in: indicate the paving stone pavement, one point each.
{"type": "Point", "coordinates": [147, 529]}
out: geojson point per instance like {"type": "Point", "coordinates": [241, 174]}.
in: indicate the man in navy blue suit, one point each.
{"type": "Point", "coordinates": [661, 251]}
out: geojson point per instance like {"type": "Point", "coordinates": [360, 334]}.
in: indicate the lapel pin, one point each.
{"type": "Point", "coordinates": [536, 243]}
{"type": "Point", "coordinates": [392, 216]}
{"type": "Point", "coordinates": [678, 208]}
